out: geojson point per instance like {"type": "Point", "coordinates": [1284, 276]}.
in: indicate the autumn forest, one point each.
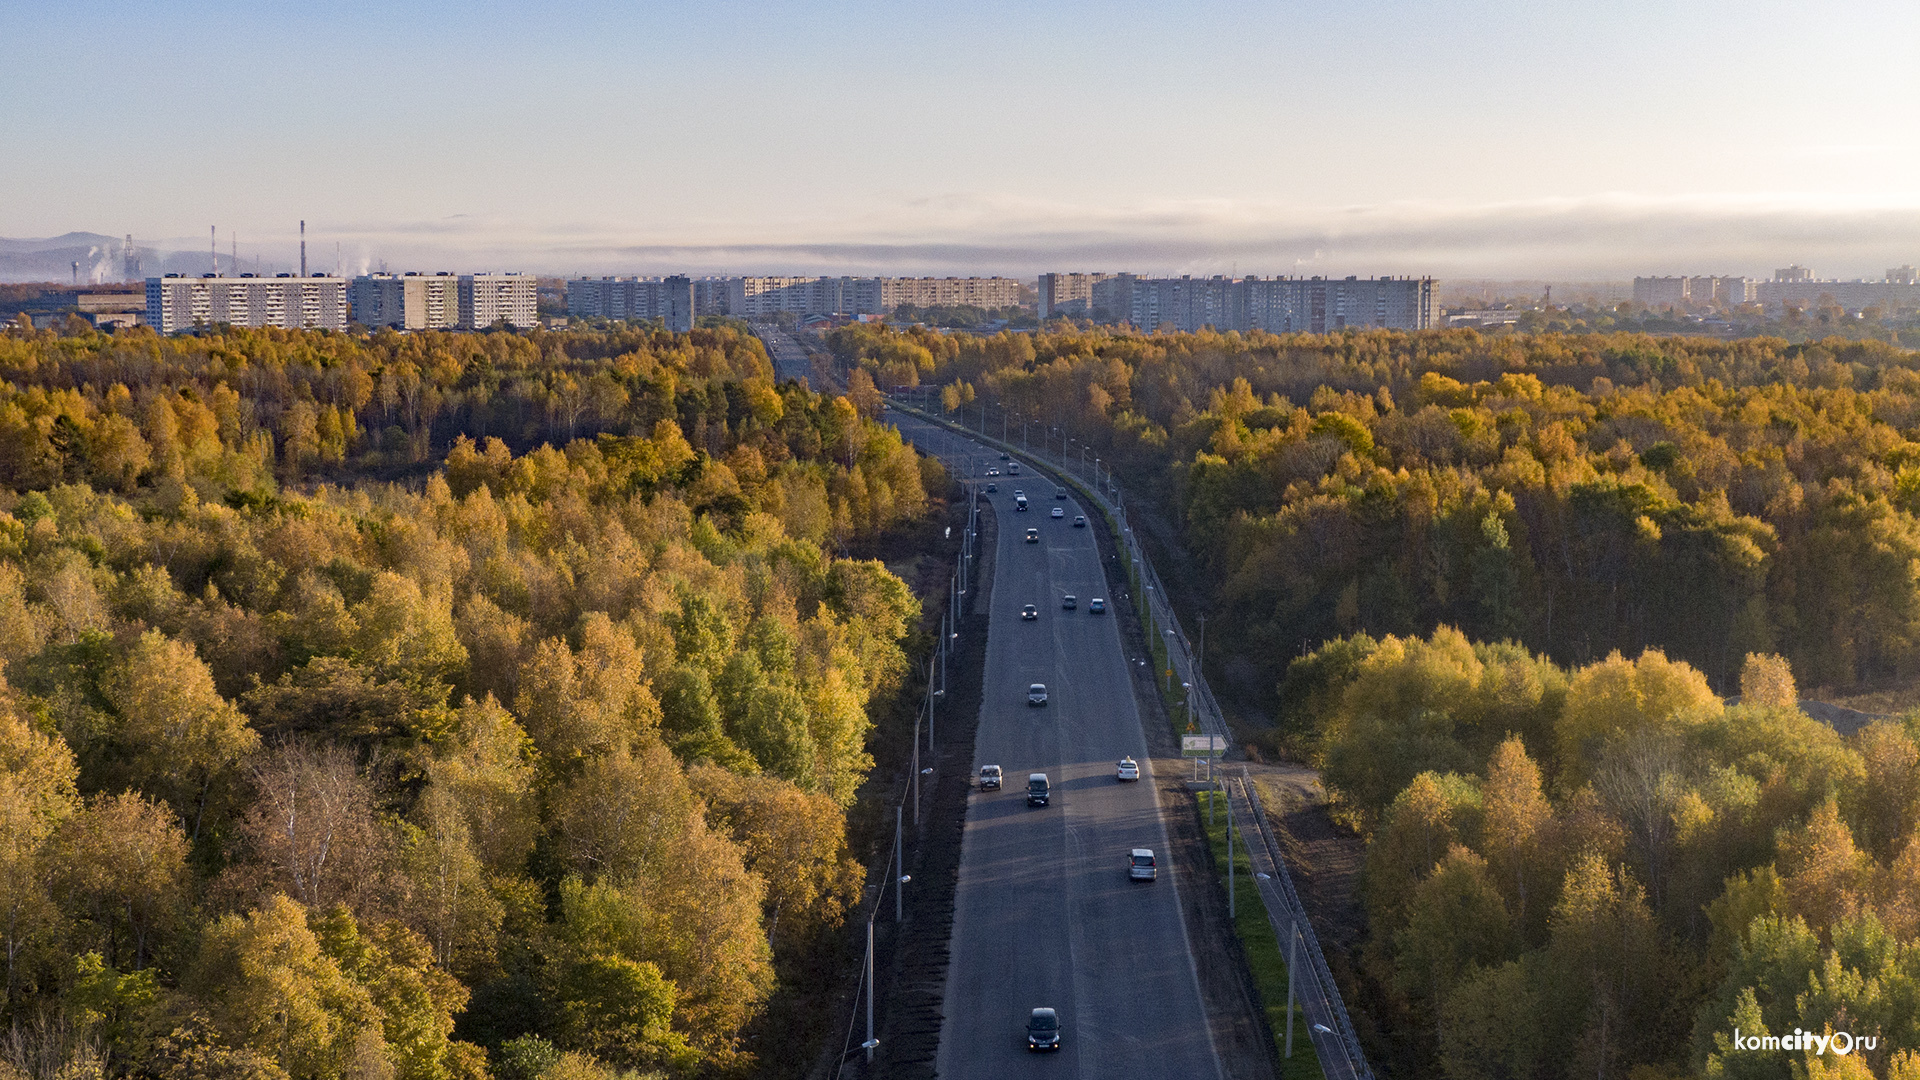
{"type": "Point", "coordinates": [432, 707]}
{"type": "Point", "coordinates": [1541, 609]}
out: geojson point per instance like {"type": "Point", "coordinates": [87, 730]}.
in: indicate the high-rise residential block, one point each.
{"type": "Point", "coordinates": [1279, 305]}
{"type": "Point", "coordinates": [1704, 290]}
{"type": "Point", "coordinates": [988, 292]}
{"type": "Point", "coordinates": [176, 303]}
{"type": "Point", "coordinates": [407, 301]}
{"type": "Point", "coordinates": [489, 299]}
{"type": "Point", "coordinates": [751, 297]}
{"type": "Point", "coordinates": [1068, 294]}
{"type": "Point", "coordinates": [1795, 286]}
{"type": "Point", "coordinates": [672, 300]}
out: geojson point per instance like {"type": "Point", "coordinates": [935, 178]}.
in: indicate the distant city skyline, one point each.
{"type": "Point", "coordinates": [1454, 139]}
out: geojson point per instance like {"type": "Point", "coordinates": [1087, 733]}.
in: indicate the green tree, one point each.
{"type": "Point", "coordinates": [182, 741]}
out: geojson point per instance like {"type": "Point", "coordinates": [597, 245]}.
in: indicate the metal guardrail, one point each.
{"type": "Point", "coordinates": [1297, 912]}
{"type": "Point", "coordinates": [1207, 714]}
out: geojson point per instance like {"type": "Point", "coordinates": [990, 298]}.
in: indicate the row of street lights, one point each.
{"type": "Point", "coordinates": [959, 585]}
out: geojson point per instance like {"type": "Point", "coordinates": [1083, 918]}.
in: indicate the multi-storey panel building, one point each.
{"type": "Point", "coordinates": [489, 299]}
{"type": "Point", "coordinates": [1699, 291]}
{"type": "Point", "coordinates": [176, 303]}
{"type": "Point", "coordinates": [751, 297]}
{"type": "Point", "coordinates": [672, 300]}
{"type": "Point", "coordinates": [989, 292]}
{"type": "Point", "coordinates": [407, 301]}
{"type": "Point", "coordinates": [1280, 305]}
{"type": "Point", "coordinates": [1797, 287]}
{"type": "Point", "coordinates": [1068, 294]}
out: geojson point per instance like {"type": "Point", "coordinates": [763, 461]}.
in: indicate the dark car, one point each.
{"type": "Point", "coordinates": [1037, 789]}
{"type": "Point", "coordinates": [992, 488]}
{"type": "Point", "coordinates": [1059, 493]}
{"type": "Point", "coordinates": [1079, 521]}
{"type": "Point", "coordinates": [1043, 1030]}
{"type": "Point", "coordinates": [1029, 613]}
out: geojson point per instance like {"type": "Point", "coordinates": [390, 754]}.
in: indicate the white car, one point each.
{"type": "Point", "coordinates": [1058, 513]}
{"type": "Point", "coordinates": [1128, 769]}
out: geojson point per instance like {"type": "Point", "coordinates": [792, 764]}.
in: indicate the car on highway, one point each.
{"type": "Point", "coordinates": [1096, 606]}
{"type": "Point", "coordinates": [1059, 493]}
{"type": "Point", "coordinates": [1019, 493]}
{"type": "Point", "coordinates": [993, 488]}
{"type": "Point", "coordinates": [1058, 513]}
{"type": "Point", "coordinates": [1038, 791]}
{"type": "Point", "coordinates": [1029, 613]}
{"type": "Point", "coordinates": [1006, 457]}
{"type": "Point", "coordinates": [993, 472]}
{"type": "Point", "coordinates": [1037, 694]}
{"type": "Point", "coordinates": [989, 778]}
{"type": "Point", "coordinates": [1019, 502]}
{"type": "Point", "coordinates": [1033, 536]}
{"type": "Point", "coordinates": [1069, 602]}
{"type": "Point", "coordinates": [1140, 865]}
{"type": "Point", "coordinates": [1013, 468]}
{"type": "Point", "coordinates": [1079, 521]}
{"type": "Point", "coordinates": [1127, 769]}
{"type": "Point", "coordinates": [1043, 1030]}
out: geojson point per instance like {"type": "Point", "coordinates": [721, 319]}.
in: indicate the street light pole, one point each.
{"type": "Point", "coordinates": [870, 1042]}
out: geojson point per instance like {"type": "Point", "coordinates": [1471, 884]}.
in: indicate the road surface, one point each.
{"type": "Point", "coordinates": [1044, 913]}
{"type": "Point", "coordinates": [788, 355]}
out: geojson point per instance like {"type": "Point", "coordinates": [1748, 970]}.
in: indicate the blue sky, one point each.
{"type": "Point", "coordinates": [1345, 136]}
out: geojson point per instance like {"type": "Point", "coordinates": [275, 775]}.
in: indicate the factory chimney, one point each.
{"type": "Point", "coordinates": [303, 249]}
{"type": "Point", "coordinates": [213, 245]}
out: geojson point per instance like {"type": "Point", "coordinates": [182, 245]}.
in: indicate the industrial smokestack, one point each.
{"type": "Point", "coordinates": [213, 245]}
{"type": "Point", "coordinates": [76, 274]}
{"type": "Point", "coordinates": [303, 249]}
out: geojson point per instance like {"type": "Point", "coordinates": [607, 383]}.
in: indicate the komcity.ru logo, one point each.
{"type": "Point", "coordinates": [1839, 1042]}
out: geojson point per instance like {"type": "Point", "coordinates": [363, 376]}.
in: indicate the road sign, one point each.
{"type": "Point", "coordinates": [1202, 745]}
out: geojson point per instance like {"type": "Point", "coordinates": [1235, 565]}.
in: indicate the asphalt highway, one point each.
{"type": "Point", "coordinates": [1045, 914]}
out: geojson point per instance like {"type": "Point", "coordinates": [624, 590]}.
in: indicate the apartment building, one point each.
{"type": "Point", "coordinates": [1796, 286]}
{"type": "Point", "coordinates": [408, 301]}
{"type": "Point", "coordinates": [674, 300]}
{"type": "Point", "coordinates": [989, 292]}
{"type": "Point", "coordinates": [489, 299]}
{"type": "Point", "coordinates": [1699, 291]}
{"type": "Point", "coordinates": [176, 303]}
{"type": "Point", "coordinates": [752, 297]}
{"type": "Point", "coordinates": [1279, 305]}
{"type": "Point", "coordinates": [1068, 294]}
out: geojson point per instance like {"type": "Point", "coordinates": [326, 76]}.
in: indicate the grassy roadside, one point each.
{"type": "Point", "coordinates": [1261, 946]}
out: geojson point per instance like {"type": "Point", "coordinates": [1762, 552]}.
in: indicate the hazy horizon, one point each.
{"type": "Point", "coordinates": [1443, 139]}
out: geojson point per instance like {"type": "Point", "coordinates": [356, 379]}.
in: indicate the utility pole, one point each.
{"type": "Point", "coordinates": [899, 867]}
